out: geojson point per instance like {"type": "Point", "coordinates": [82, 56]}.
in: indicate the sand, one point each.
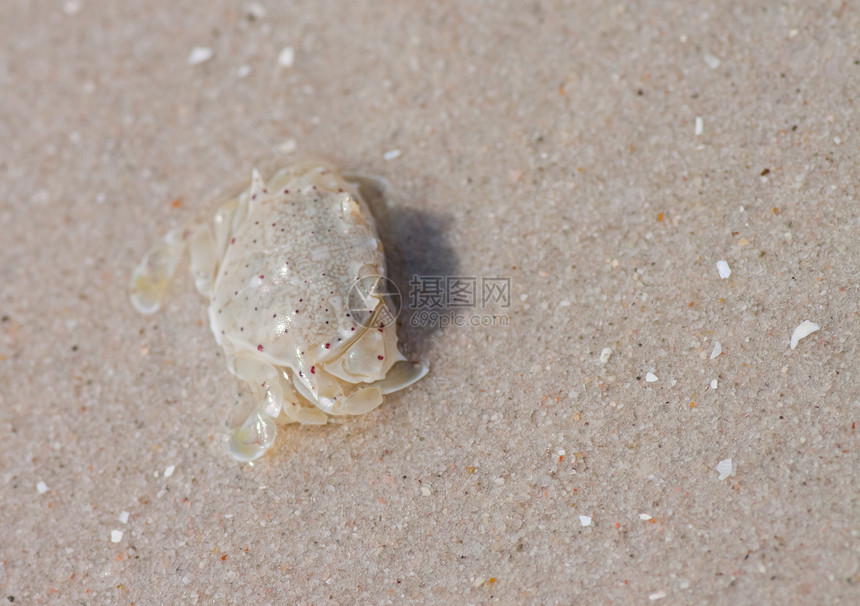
{"type": "Point", "coordinates": [579, 445]}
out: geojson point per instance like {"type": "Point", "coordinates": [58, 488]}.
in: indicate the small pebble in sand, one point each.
{"type": "Point", "coordinates": [287, 57]}
{"type": "Point", "coordinates": [805, 329]}
{"type": "Point", "coordinates": [651, 378]}
{"type": "Point", "coordinates": [123, 517]}
{"type": "Point", "coordinates": [115, 536]}
{"type": "Point", "coordinates": [724, 269]}
{"type": "Point", "coordinates": [392, 154]}
{"type": "Point", "coordinates": [699, 126]}
{"type": "Point", "coordinates": [288, 146]}
{"type": "Point", "coordinates": [255, 10]}
{"type": "Point", "coordinates": [72, 7]}
{"type": "Point", "coordinates": [41, 487]}
{"type": "Point", "coordinates": [725, 468]}
{"type": "Point", "coordinates": [200, 54]}
{"type": "Point", "coordinates": [585, 520]}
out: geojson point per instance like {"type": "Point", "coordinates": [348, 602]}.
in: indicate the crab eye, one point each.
{"type": "Point", "coordinates": [350, 210]}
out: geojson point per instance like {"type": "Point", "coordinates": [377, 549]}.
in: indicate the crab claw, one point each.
{"type": "Point", "coordinates": [150, 279]}
{"type": "Point", "coordinates": [253, 438]}
{"type": "Point", "coordinates": [403, 374]}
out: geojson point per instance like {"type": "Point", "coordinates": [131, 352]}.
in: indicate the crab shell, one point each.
{"type": "Point", "coordinates": [278, 264]}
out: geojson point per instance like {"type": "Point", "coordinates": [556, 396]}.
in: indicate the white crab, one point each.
{"type": "Point", "coordinates": [277, 264]}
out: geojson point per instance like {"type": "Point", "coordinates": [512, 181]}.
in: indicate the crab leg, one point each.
{"type": "Point", "coordinates": [151, 277]}
{"type": "Point", "coordinates": [256, 434]}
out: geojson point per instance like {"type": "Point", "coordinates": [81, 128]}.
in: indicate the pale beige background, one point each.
{"type": "Point", "coordinates": [552, 142]}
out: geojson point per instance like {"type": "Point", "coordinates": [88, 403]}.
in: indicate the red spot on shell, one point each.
{"type": "Point", "coordinates": [261, 276]}
{"type": "Point", "coordinates": [328, 345]}
{"type": "Point", "coordinates": [313, 370]}
{"type": "Point", "coordinates": [378, 357]}
{"type": "Point", "coordinates": [259, 348]}
{"type": "Point", "coordinates": [233, 241]}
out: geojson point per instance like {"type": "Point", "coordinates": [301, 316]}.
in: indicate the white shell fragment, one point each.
{"type": "Point", "coordinates": [605, 355]}
{"type": "Point", "coordinates": [287, 57]}
{"type": "Point", "coordinates": [712, 61]}
{"type": "Point", "coordinates": [72, 7]}
{"type": "Point", "coordinates": [256, 10]}
{"type": "Point", "coordinates": [724, 269]}
{"type": "Point", "coordinates": [718, 349]}
{"type": "Point", "coordinates": [115, 536]}
{"type": "Point", "coordinates": [805, 329]}
{"type": "Point", "coordinates": [200, 54]}
{"type": "Point", "coordinates": [725, 468]}
{"type": "Point", "coordinates": [651, 378]}
{"type": "Point", "coordinates": [585, 520]}
{"type": "Point", "coordinates": [295, 276]}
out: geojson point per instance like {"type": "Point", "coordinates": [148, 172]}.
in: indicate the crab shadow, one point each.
{"type": "Point", "coordinates": [418, 255]}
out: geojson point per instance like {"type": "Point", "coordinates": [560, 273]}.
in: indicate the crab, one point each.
{"type": "Point", "coordinates": [294, 272]}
